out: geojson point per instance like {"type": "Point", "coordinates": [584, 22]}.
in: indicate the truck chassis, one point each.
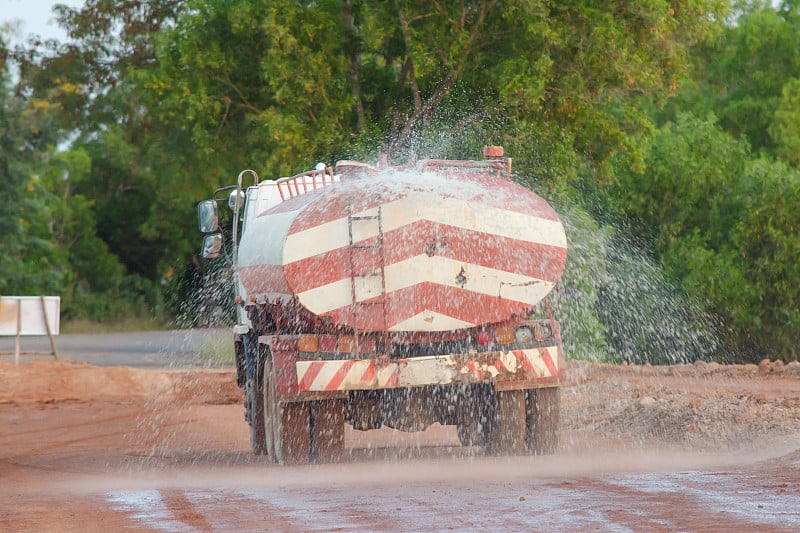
{"type": "Point", "coordinates": [503, 398]}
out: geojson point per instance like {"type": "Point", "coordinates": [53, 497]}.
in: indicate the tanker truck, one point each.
{"type": "Point", "coordinates": [399, 296]}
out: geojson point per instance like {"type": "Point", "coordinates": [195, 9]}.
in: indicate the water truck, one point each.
{"type": "Point", "coordinates": [399, 296]}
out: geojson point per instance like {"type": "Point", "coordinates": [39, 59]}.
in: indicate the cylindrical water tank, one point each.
{"type": "Point", "coordinates": [407, 250]}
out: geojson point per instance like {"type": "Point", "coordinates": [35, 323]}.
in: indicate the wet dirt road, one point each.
{"type": "Point", "coordinates": [448, 496]}
{"type": "Point", "coordinates": [108, 449]}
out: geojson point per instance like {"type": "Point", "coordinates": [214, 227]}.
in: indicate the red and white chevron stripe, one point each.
{"type": "Point", "coordinates": [370, 374]}
{"type": "Point", "coordinates": [458, 250]}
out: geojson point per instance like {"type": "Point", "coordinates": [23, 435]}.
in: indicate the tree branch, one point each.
{"type": "Point", "coordinates": [247, 105]}
{"type": "Point", "coordinates": [424, 111]}
{"type": "Point", "coordinates": [354, 59]}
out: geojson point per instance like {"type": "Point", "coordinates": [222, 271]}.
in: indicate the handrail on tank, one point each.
{"type": "Point", "coordinates": [500, 165]}
{"type": "Point", "coordinates": [327, 178]}
{"type": "Point", "coordinates": [494, 159]}
{"type": "Point", "coordinates": [347, 164]}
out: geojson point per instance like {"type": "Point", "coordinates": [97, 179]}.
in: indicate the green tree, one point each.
{"type": "Point", "coordinates": [740, 76]}
{"type": "Point", "coordinates": [681, 205]}
{"type": "Point", "coordinates": [690, 164]}
{"type": "Point", "coordinates": [83, 90]}
{"type": "Point", "coordinates": [725, 226]}
{"type": "Point", "coordinates": [765, 240]}
{"type": "Point", "coordinates": [278, 76]}
{"type": "Point", "coordinates": [13, 173]}
{"type": "Point", "coordinates": [785, 126]}
{"type": "Point", "coordinates": [95, 284]}
{"type": "Point", "coordinates": [28, 253]}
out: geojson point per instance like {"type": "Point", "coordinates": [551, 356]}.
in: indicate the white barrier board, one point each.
{"type": "Point", "coordinates": [28, 310]}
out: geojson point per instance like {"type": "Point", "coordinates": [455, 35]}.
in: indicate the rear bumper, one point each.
{"type": "Point", "coordinates": [508, 370]}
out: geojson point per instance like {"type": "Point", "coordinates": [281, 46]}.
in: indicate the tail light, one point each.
{"type": "Point", "coordinates": [309, 343]}
{"type": "Point", "coordinates": [483, 338]}
{"type": "Point", "coordinates": [505, 335]}
{"type": "Point", "coordinates": [346, 344]}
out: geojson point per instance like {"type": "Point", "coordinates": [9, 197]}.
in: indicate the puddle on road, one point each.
{"type": "Point", "coordinates": [147, 508]}
{"type": "Point", "coordinates": [741, 496]}
{"type": "Point", "coordinates": [561, 493]}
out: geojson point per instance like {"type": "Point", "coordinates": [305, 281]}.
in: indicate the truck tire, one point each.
{"type": "Point", "coordinates": [287, 424]}
{"type": "Point", "coordinates": [543, 420]}
{"type": "Point", "coordinates": [508, 431]}
{"type": "Point", "coordinates": [254, 398]}
{"type": "Point", "coordinates": [268, 398]}
{"type": "Point", "coordinates": [473, 433]}
{"type": "Point", "coordinates": [254, 413]}
{"type": "Point", "coordinates": [476, 411]}
{"type": "Point", "coordinates": [327, 431]}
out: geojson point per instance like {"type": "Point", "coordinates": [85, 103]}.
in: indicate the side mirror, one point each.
{"type": "Point", "coordinates": [208, 216]}
{"type": "Point", "coordinates": [212, 245]}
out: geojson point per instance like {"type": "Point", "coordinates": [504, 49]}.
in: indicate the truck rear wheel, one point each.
{"type": "Point", "coordinates": [269, 397]}
{"type": "Point", "coordinates": [292, 435]}
{"type": "Point", "coordinates": [508, 431]}
{"type": "Point", "coordinates": [471, 433]}
{"type": "Point", "coordinates": [254, 413]}
{"type": "Point", "coordinates": [327, 431]}
{"type": "Point", "coordinates": [287, 424]}
{"type": "Point", "coordinates": [475, 411]}
{"type": "Point", "coordinates": [253, 395]}
{"type": "Point", "coordinates": [543, 420]}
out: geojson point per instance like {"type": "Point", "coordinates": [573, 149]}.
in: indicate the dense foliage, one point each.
{"type": "Point", "coordinates": [665, 132]}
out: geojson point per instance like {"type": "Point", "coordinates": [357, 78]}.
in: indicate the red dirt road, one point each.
{"type": "Point", "coordinates": [688, 448]}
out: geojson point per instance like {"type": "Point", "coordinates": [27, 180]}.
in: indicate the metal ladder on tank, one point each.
{"type": "Point", "coordinates": [380, 271]}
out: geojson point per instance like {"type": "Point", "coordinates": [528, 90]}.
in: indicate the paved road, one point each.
{"type": "Point", "coordinates": [176, 348]}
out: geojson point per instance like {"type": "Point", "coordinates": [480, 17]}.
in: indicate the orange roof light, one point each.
{"type": "Point", "coordinates": [493, 151]}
